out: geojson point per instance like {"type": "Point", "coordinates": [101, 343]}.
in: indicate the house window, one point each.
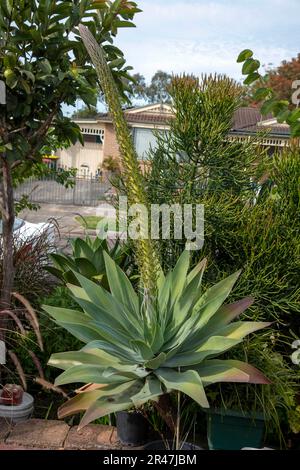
{"type": "Point", "coordinates": [144, 139]}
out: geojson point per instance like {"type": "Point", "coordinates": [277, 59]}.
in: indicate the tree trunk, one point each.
{"type": "Point", "coordinates": [8, 218]}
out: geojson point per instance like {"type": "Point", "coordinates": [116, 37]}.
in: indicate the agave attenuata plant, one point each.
{"type": "Point", "coordinates": [134, 355]}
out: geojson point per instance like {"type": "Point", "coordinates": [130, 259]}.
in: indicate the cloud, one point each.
{"type": "Point", "coordinates": [206, 36]}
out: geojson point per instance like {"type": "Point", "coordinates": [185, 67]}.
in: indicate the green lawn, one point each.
{"type": "Point", "coordinates": [90, 222]}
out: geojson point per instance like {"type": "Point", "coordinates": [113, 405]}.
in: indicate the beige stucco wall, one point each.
{"type": "Point", "coordinates": [111, 147]}
{"type": "Point", "coordinates": [91, 154]}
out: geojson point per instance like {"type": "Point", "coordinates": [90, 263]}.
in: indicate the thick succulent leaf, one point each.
{"type": "Point", "coordinates": [80, 402]}
{"type": "Point", "coordinates": [77, 291]}
{"type": "Point", "coordinates": [65, 360]}
{"type": "Point", "coordinates": [143, 348]}
{"type": "Point", "coordinates": [55, 271]}
{"type": "Point", "coordinates": [183, 307]}
{"type": "Point", "coordinates": [135, 371]}
{"type": "Point", "coordinates": [86, 267]}
{"type": "Point", "coordinates": [126, 354]}
{"type": "Point", "coordinates": [226, 314]}
{"type": "Point", "coordinates": [69, 277]}
{"type": "Point", "coordinates": [179, 275]}
{"type": "Point", "coordinates": [111, 404]}
{"type": "Point", "coordinates": [150, 391]}
{"type": "Point", "coordinates": [83, 250]}
{"type": "Point", "coordinates": [120, 286]}
{"type": "Point", "coordinates": [104, 407]}
{"type": "Point", "coordinates": [98, 260]}
{"type": "Point", "coordinates": [188, 382]}
{"type": "Point", "coordinates": [90, 387]}
{"type": "Point", "coordinates": [92, 373]}
{"type": "Point", "coordinates": [215, 370]}
{"type": "Point", "coordinates": [77, 323]}
{"type": "Point", "coordinates": [158, 338]}
{"type": "Point", "coordinates": [240, 329]}
{"type": "Point", "coordinates": [197, 272]}
{"type": "Point", "coordinates": [156, 362]}
{"type": "Point", "coordinates": [99, 296]}
{"type": "Point", "coordinates": [83, 401]}
{"type": "Point", "coordinates": [214, 346]}
{"type": "Point", "coordinates": [237, 330]}
{"type": "Point", "coordinates": [62, 262]}
{"type": "Point", "coordinates": [164, 294]}
{"type": "Point", "coordinates": [99, 314]}
{"type": "Point", "coordinates": [179, 335]}
{"type": "Point", "coordinates": [214, 297]}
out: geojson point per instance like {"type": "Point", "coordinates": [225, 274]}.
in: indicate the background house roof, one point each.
{"type": "Point", "coordinates": [246, 119]}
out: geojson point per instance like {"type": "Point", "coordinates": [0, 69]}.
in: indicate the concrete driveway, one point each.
{"type": "Point", "coordinates": [64, 215]}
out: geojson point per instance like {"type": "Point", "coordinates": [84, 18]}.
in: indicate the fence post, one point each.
{"type": "Point", "coordinates": [74, 191]}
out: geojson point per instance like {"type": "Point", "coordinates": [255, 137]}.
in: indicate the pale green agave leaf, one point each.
{"type": "Point", "coordinates": [228, 370]}
{"type": "Point", "coordinates": [197, 272]}
{"type": "Point", "coordinates": [188, 382]}
{"type": "Point", "coordinates": [125, 354]}
{"type": "Point", "coordinates": [120, 286]}
{"type": "Point", "coordinates": [75, 322]}
{"type": "Point", "coordinates": [83, 401]}
{"type": "Point", "coordinates": [214, 297]}
{"type": "Point", "coordinates": [237, 330]}
{"type": "Point", "coordinates": [164, 294]}
{"type": "Point", "coordinates": [150, 392]}
{"type": "Point", "coordinates": [66, 360]}
{"type": "Point", "coordinates": [98, 314]}
{"type": "Point", "coordinates": [214, 346]}
{"type": "Point", "coordinates": [111, 404]}
{"type": "Point", "coordinates": [179, 275]}
{"type": "Point", "coordinates": [100, 297]}
{"type": "Point", "coordinates": [156, 362]}
{"type": "Point", "coordinates": [91, 374]}
{"type": "Point", "coordinates": [80, 402]}
{"type": "Point", "coordinates": [226, 314]}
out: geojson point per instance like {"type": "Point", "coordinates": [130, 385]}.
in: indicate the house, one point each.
{"type": "Point", "coordinates": [100, 140]}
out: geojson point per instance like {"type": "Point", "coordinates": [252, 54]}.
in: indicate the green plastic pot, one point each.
{"type": "Point", "coordinates": [233, 430]}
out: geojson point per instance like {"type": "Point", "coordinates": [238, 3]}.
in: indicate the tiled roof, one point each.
{"type": "Point", "coordinates": [145, 118]}
{"type": "Point", "coordinates": [249, 120]}
{"type": "Point", "coordinates": [245, 120]}
{"type": "Point", "coordinates": [246, 117]}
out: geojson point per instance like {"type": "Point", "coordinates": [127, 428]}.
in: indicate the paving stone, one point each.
{"type": "Point", "coordinates": [39, 433]}
{"type": "Point", "coordinates": [93, 436]}
{"type": "Point", "coordinates": [7, 447]}
{"type": "Point", "coordinates": [5, 428]}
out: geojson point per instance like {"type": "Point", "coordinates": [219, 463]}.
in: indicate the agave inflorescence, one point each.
{"type": "Point", "coordinates": [131, 357]}
{"type": "Point", "coordinates": [145, 253]}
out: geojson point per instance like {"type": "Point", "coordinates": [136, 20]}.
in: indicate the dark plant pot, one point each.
{"type": "Point", "coordinates": [232, 430]}
{"type": "Point", "coordinates": [169, 445]}
{"type": "Point", "coordinates": [132, 428]}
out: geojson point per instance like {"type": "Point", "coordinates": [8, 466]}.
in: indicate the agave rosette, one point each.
{"type": "Point", "coordinates": [134, 352]}
{"type": "Point", "coordinates": [87, 258]}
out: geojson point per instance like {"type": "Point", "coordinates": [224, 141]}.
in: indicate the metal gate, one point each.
{"type": "Point", "coordinates": [85, 191]}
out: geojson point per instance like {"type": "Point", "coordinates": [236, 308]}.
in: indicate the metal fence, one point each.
{"type": "Point", "coordinates": [85, 191]}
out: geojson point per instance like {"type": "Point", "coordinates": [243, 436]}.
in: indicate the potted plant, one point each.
{"type": "Point", "coordinates": [244, 415]}
{"type": "Point", "coordinates": [132, 427]}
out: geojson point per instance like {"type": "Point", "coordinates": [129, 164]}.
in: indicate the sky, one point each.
{"type": "Point", "coordinates": [206, 36]}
